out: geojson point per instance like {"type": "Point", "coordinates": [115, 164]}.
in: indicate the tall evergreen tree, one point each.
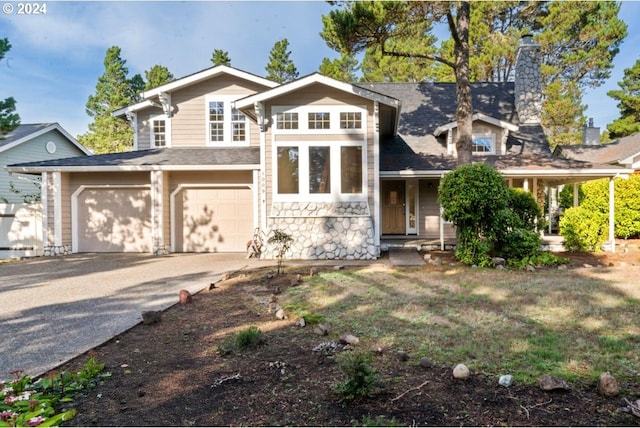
{"type": "Point", "coordinates": [108, 134]}
{"type": "Point", "coordinates": [281, 68]}
{"type": "Point", "coordinates": [220, 57]}
{"type": "Point", "coordinates": [158, 75]}
{"type": "Point", "coordinates": [9, 119]}
{"type": "Point", "coordinates": [343, 68]}
{"type": "Point", "coordinates": [628, 97]}
{"type": "Point", "coordinates": [390, 26]}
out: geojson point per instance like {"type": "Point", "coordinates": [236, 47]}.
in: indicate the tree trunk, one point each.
{"type": "Point", "coordinates": [464, 111]}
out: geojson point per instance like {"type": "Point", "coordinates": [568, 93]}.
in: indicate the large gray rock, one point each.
{"type": "Point", "coordinates": [349, 339]}
{"type": "Point", "coordinates": [461, 371]}
{"type": "Point", "coordinates": [553, 383]}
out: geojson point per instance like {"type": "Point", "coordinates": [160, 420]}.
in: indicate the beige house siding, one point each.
{"type": "Point", "coordinates": [429, 212]}
{"type": "Point", "coordinates": [144, 126]}
{"type": "Point", "coordinates": [66, 208]}
{"type": "Point", "coordinates": [480, 127]}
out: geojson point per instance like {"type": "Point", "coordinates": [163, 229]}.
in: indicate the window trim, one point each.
{"type": "Point", "coordinates": [227, 139]}
{"type": "Point", "coordinates": [334, 114]}
{"type": "Point", "coordinates": [167, 131]}
{"type": "Point", "coordinates": [335, 194]}
{"type": "Point", "coordinates": [484, 135]}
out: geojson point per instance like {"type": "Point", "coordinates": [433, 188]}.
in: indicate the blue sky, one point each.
{"type": "Point", "coordinates": [56, 58]}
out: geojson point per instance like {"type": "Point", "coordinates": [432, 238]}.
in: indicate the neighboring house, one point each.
{"type": "Point", "coordinates": [624, 151]}
{"type": "Point", "coordinates": [32, 142]}
{"type": "Point", "coordinates": [342, 168]}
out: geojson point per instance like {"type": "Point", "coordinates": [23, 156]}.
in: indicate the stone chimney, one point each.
{"type": "Point", "coordinates": [528, 84]}
{"type": "Point", "coordinates": [590, 134]}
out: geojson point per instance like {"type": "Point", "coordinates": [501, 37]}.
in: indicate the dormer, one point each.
{"type": "Point", "coordinates": [489, 135]}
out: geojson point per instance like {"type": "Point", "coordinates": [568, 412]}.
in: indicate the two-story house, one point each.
{"type": "Point", "coordinates": [340, 167]}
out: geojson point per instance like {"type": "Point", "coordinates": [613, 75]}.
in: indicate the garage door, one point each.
{"type": "Point", "coordinates": [214, 219]}
{"type": "Point", "coordinates": [114, 220]}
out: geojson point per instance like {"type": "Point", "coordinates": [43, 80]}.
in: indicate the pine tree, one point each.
{"type": "Point", "coordinates": [108, 134]}
{"type": "Point", "coordinates": [158, 75]}
{"type": "Point", "coordinates": [281, 68]}
{"type": "Point", "coordinates": [628, 97]}
{"type": "Point", "coordinates": [9, 119]}
{"type": "Point", "coordinates": [343, 68]}
{"type": "Point", "coordinates": [220, 57]}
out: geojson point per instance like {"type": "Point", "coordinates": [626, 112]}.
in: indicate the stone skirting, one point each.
{"type": "Point", "coordinates": [160, 250]}
{"type": "Point", "coordinates": [342, 230]}
{"type": "Point", "coordinates": [56, 250]}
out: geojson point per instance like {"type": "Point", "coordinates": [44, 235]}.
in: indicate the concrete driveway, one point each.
{"type": "Point", "coordinates": [53, 309]}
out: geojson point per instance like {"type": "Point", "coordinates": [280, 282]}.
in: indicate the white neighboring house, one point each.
{"type": "Point", "coordinates": [21, 222]}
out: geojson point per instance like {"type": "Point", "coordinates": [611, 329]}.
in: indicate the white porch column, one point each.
{"type": "Point", "coordinates": [377, 206]}
{"type": "Point", "coordinates": [525, 184]}
{"type": "Point", "coordinates": [550, 206]}
{"type": "Point", "coordinates": [157, 213]}
{"type": "Point", "coordinates": [612, 238]}
{"type": "Point", "coordinates": [576, 194]}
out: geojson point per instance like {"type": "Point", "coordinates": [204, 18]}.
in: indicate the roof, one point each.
{"type": "Point", "coordinates": [616, 152]}
{"type": "Point", "coordinates": [192, 79]}
{"type": "Point", "coordinates": [426, 107]}
{"type": "Point", "coordinates": [205, 158]}
{"type": "Point", "coordinates": [26, 132]}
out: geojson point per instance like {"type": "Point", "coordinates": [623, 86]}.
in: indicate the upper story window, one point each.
{"type": "Point", "coordinates": [484, 143]}
{"type": "Point", "coordinates": [159, 131]}
{"type": "Point", "coordinates": [311, 119]}
{"type": "Point", "coordinates": [226, 125]}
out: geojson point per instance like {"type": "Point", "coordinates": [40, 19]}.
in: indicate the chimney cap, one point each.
{"type": "Point", "coordinates": [527, 39]}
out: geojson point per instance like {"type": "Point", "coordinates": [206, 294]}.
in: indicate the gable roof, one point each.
{"type": "Point", "coordinates": [192, 79]}
{"type": "Point", "coordinates": [476, 116]}
{"type": "Point", "coordinates": [621, 151]}
{"type": "Point", "coordinates": [26, 132]}
{"type": "Point", "coordinates": [313, 79]}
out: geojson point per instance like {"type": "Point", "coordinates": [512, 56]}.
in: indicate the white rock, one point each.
{"type": "Point", "coordinates": [506, 380]}
{"type": "Point", "coordinates": [461, 371]}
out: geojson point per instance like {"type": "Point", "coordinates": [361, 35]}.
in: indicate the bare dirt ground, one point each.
{"type": "Point", "coordinates": [171, 374]}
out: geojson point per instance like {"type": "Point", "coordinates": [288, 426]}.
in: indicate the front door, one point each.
{"type": "Point", "coordinates": [393, 208]}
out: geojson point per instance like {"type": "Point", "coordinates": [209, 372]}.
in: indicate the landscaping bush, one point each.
{"type": "Point", "coordinates": [583, 229]}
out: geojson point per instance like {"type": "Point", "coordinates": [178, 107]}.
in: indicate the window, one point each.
{"type": "Point", "coordinates": [158, 133]}
{"type": "Point", "coordinates": [351, 169]}
{"type": "Point", "coordinates": [287, 120]}
{"type": "Point", "coordinates": [320, 171]}
{"type": "Point", "coordinates": [288, 177]}
{"type": "Point", "coordinates": [227, 126]}
{"type": "Point", "coordinates": [483, 144]}
{"type": "Point", "coordinates": [319, 120]}
{"type": "Point", "coordinates": [351, 120]}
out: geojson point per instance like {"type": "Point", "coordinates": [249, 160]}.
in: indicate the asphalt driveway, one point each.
{"type": "Point", "coordinates": [53, 309]}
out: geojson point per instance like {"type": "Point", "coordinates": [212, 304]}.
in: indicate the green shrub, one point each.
{"type": "Point", "coordinates": [583, 229]}
{"type": "Point", "coordinates": [361, 376]}
{"type": "Point", "coordinates": [248, 338]}
{"type": "Point", "coordinates": [538, 260]}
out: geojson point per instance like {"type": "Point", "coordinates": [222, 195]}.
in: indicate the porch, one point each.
{"type": "Point", "coordinates": [553, 243]}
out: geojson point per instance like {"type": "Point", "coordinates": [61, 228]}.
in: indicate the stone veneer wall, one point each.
{"type": "Point", "coordinates": [337, 230]}
{"type": "Point", "coordinates": [56, 250]}
{"type": "Point", "coordinates": [528, 82]}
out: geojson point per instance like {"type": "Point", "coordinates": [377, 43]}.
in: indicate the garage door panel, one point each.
{"type": "Point", "coordinates": [114, 220]}
{"type": "Point", "coordinates": [215, 220]}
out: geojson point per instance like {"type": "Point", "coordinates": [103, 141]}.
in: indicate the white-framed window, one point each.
{"type": "Point", "coordinates": [320, 171]}
{"type": "Point", "coordinates": [321, 119]}
{"type": "Point", "coordinates": [483, 143]}
{"type": "Point", "coordinates": [226, 126]}
{"type": "Point", "coordinates": [159, 131]}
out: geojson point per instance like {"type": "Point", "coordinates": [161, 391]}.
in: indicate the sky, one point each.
{"type": "Point", "coordinates": [57, 57]}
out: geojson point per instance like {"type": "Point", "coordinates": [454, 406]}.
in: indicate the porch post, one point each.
{"type": "Point", "coordinates": [612, 238]}
{"type": "Point", "coordinates": [576, 194]}
{"type": "Point", "coordinates": [157, 213]}
{"type": "Point", "coordinates": [550, 206]}
{"type": "Point", "coordinates": [441, 229]}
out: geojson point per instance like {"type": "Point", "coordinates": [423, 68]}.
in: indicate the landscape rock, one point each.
{"type": "Point", "coordinates": [553, 383]}
{"type": "Point", "coordinates": [301, 322]}
{"type": "Point", "coordinates": [313, 271]}
{"type": "Point", "coordinates": [184, 297]}
{"type": "Point", "coordinates": [349, 339]}
{"type": "Point", "coordinates": [425, 362]}
{"type": "Point", "coordinates": [506, 381]}
{"type": "Point", "coordinates": [151, 317]}
{"type": "Point", "coordinates": [427, 257]}
{"type": "Point", "coordinates": [461, 371]}
{"type": "Point", "coordinates": [338, 267]}
{"type": "Point", "coordinates": [608, 385]}
{"type": "Point", "coordinates": [321, 330]}
{"type": "Point", "coordinates": [531, 268]}
{"type": "Point", "coordinates": [280, 315]}
{"type": "Point", "coordinates": [499, 261]}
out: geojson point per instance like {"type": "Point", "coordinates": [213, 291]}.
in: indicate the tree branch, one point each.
{"type": "Point", "coordinates": [417, 55]}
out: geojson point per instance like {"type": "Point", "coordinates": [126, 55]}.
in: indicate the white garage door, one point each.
{"type": "Point", "coordinates": [114, 220]}
{"type": "Point", "coordinates": [214, 219]}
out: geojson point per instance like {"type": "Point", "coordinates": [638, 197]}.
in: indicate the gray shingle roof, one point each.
{"type": "Point", "coordinates": [165, 157]}
{"type": "Point", "coordinates": [21, 132]}
{"type": "Point", "coordinates": [611, 153]}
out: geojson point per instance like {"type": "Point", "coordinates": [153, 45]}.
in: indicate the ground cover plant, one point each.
{"type": "Point", "coordinates": [413, 325]}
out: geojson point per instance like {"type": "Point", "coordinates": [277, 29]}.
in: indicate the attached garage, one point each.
{"type": "Point", "coordinates": [213, 219]}
{"type": "Point", "coordinates": [112, 220]}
